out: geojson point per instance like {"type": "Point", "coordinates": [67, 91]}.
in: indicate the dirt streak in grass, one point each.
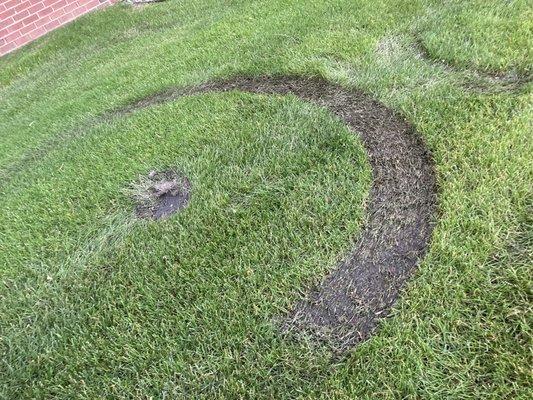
{"type": "Point", "coordinates": [345, 308]}
{"type": "Point", "coordinates": [482, 81]}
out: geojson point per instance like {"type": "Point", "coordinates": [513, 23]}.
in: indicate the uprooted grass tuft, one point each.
{"type": "Point", "coordinates": [159, 193]}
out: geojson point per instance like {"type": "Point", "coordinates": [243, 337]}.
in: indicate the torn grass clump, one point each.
{"type": "Point", "coordinates": [160, 194]}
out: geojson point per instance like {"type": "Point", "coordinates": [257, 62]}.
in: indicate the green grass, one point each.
{"type": "Point", "coordinates": [96, 304]}
{"type": "Point", "coordinates": [488, 36]}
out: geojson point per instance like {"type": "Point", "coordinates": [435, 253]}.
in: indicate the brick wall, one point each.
{"type": "Point", "coordinates": [22, 21]}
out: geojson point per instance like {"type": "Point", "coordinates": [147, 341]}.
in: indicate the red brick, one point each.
{"type": "Point", "coordinates": [59, 4]}
{"type": "Point", "coordinates": [69, 7]}
{"type": "Point", "coordinates": [63, 19]}
{"type": "Point", "coordinates": [22, 40]}
{"type": "Point", "coordinates": [45, 11]}
{"type": "Point", "coordinates": [52, 25]}
{"type": "Point", "coordinates": [20, 15]}
{"type": "Point", "coordinates": [8, 22]}
{"type": "Point", "coordinates": [104, 4]}
{"type": "Point", "coordinates": [30, 18]}
{"type": "Point", "coordinates": [5, 14]}
{"type": "Point", "coordinates": [12, 36]}
{"type": "Point", "coordinates": [56, 14]}
{"type": "Point", "coordinates": [7, 48]}
{"type": "Point", "coordinates": [27, 29]}
{"type": "Point", "coordinates": [37, 7]}
{"type": "Point", "coordinates": [79, 11]}
{"type": "Point", "coordinates": [91, 4]}
{"type": "Point", "coordinates": [22, 6]}
{"type": "Point", "coordinates": [43, 21]}
{"type": "Point", "coordinates": [66, 18]}
{"type": "Point", "coordinates": [15, 27]}
{"type": "Point", "coordinates": [12, 3]}
{"type": "Point", "coordinates": [36, 17]}
{"type": "Point", "coordinates": [37, 33]}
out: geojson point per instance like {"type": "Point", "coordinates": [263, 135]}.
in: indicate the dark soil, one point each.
{"type": "Point", "coordinates": [163, 194]}
{"type": "Point", "coordinates": [345, 308]}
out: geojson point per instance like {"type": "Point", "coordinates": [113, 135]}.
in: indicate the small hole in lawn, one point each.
{"type": "Point", "coordinates": [160, 194]}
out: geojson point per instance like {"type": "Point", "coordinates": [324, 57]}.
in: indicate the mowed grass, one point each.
{"type": "Point", "coordinates": [277, 189]}
{"type": "Point", "coordinates": [486, 35]}
{"type": "Point", "coordinates": [96, 304]}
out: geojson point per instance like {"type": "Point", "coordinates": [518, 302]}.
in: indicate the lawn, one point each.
{"type": "Point", "coordinates": [98, 303]}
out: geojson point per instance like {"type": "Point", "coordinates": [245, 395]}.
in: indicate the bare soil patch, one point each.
{"type": "Point", "coordinates": [161, 194]}
{"type": "Point", "coordinates": [345, 308]}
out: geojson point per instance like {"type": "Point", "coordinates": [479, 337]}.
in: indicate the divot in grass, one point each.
{"type": "Point", "coordinates": [160, 194]}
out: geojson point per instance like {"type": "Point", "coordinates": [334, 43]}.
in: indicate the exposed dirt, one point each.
{"type": "Point", "coordinates": [346, 306]}
{"type": "Point", "coordinates": [161, 194]}
{"type": "Point", "coordinates": [481, 81]}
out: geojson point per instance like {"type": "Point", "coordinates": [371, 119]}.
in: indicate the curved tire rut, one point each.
{"type": "Point", "coordinates": [483, 82]}
{"type": "Point", "coordinates": [345, 308]}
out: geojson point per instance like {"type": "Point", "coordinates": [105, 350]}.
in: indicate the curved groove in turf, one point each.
{"type": "Point", "coordinates": [346, 306]}
{"type": "Point", "coordinates": [486, 82]}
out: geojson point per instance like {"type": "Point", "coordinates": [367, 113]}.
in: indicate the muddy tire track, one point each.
{"type": "Point", "coordinates": [345, 308]}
